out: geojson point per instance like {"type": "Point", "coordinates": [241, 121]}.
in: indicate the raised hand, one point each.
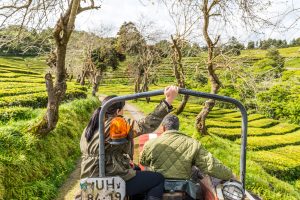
{"type": "Point", "coordinates": [171, 93]}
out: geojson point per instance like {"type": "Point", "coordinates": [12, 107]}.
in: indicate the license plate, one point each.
{"type": "Point", "coordinates": [108, 188]}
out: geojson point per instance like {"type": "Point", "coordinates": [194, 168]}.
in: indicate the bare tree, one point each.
{"type": "Point", "coordinates": [30, 12]}
{"type": "Point", "coordinates": [222, 11]}
{"type": "Point", "coordinates": [184, 20]}
{"type": "Point", "coordinates": [80, 44]}
{"type": "Point", "coordinates": [214, 17]}
{"type": "Point", "coordinates": [137, 40]}
{"type": "Point", "coordinates": [145, 64]}
{"type": "Point", "coordinates": [149, 57]}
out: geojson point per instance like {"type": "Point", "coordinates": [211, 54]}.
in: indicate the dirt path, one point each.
{"type": "Point", "coordinates": [71, 187]}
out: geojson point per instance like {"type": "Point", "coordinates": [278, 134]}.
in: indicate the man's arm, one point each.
{"type": "Point", "coordinates": [153, 120]}
{"type": "Point", "coordinates": [205, 161]}
{"type": "Point", "coordinates": [145, 159]}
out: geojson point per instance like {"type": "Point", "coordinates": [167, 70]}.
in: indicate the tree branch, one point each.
{"type": "Point", "coordinates": [92, 6]}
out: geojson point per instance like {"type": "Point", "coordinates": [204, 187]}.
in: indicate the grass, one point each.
{"type": "Point", "coordinates": [8, 114]}
{"type": "Point", "coordinates": [33, 167]}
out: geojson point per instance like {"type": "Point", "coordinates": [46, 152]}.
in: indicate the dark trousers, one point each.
{"type": "Point", "coordinates": [145, 182]}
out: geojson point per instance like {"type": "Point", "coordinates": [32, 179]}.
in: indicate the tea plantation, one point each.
{"type": "Point", "coordinates": [33, 167]}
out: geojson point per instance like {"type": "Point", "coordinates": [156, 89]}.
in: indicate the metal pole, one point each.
{"type": "Point", "coordinates": [181, 91]}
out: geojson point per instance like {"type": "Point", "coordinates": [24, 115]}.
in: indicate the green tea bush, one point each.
{"type": "Point", "coordinates": [221, 123]}
{"type": "Point", "coordinates": [15, 113]}
{"type": "Point", "coordinates": [292, 62]}
{"type": "Point", "coordinates": [270, 142]}
{"type": "Point", "coordinates": [20, 90]}
{"type": "Point", "coordinates": [264, 64]}
{"type": "Point", "coordinates": [38, 99]}
{"type": "Point", "coordinates": [234, 133]}
{"type": "Point", "coordinates": [282, 163]}
{"type": "Point", "coordinates": [8, 85]}
{"type": "Point", "coordinates": [281, 101]}
{"type": "Point", "coordinates": [290, 75]}
{"type": "Point", "coordinates": [24, 80]}
{"type": "Point", "coordinates": [35, 100]}
{"type": "Point", "coordinates": [17, 75]}
{"type": "Point", "coordinates": [263, 123]}
{"type": "Point", "coordinates": [255, 116]}
{"type": "Point", "coordinates": [21, 71]}
{"type": "Point", "coordinates": [33, 167]}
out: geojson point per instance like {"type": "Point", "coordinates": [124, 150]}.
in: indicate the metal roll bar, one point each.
{"type": "Point", "coordinates": [181, 91]}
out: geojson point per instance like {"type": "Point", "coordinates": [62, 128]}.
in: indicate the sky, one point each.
{"type": "Point", "coordinates": [114, 13]}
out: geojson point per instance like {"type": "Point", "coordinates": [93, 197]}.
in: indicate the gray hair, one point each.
{"type": "Point", "coordinates": [171, 122]}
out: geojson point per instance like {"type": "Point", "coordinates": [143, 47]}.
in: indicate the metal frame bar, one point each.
{"type": "Point", "coordinates": [181, 91]}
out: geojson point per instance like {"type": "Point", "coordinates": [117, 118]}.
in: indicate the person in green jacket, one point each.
{"type": "Point", "coordinates": [173, 154]}
{"type": "Point", "coordinates": [119, 133]}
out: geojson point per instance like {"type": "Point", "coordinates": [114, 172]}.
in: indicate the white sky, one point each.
{"type": "Point", "coordinates": [114, 12]}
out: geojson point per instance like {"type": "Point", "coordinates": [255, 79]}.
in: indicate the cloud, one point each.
{"type": "Point", "coordinates": [114, 12]}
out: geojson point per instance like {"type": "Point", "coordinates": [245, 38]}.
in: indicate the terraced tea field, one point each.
{"type": "Point", "coordinates": [22, 88]}
{"type": "Point", "coordinates": [273, 162]}
{"type": "Point", "coordinates": [33, 167]}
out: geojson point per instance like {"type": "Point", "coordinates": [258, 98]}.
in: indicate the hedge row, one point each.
{"type": "Point", "coordinates": [270, 142]}
{"type": "Point", "coordinates": [260, 123]}
{"type": "Point", "coordinates": [18, 75]}
{"type": "Point", "coordinates": [283, 163]}
{"type": "Point", "coordinates": [234, 133]}
{"type": "Point", "coordinates": [20, 91]}
{"type": "Point", "coordinates": [21, 70]}
{"type": "Point", "coordinates": [8, 85]}
{"type": "Point", "coordinates": [38, 100]}
{"type": "Point", "coordinates": [23, 80]}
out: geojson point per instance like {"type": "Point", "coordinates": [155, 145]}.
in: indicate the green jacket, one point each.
{"type": "Point", "coordinates": [118, 157]}
{"type": "Point", "coordinates": [173, 154]}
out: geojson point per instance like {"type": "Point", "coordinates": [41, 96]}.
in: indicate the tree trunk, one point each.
{"type": "Point", "coordinates": [62, 32]}
{"type": "Point", "coordinates": [96, 82]}
{"type": "Point", "coordinates": [215, 82]}
{"type": "Point", "coordinates": [82, 77]}
{"type": "Point", "coordinates": [145, 87]}
{"type": "Point", "coordinates": [55, 94]}
{"type": "Point", "coordinates": [179, 73]}
{"type": "Point", "coordinates": [137, 84]}
{"type": "Point", "coordinates": [182, 104]}
{"type": "Point", "coordinates": [78, 79]}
